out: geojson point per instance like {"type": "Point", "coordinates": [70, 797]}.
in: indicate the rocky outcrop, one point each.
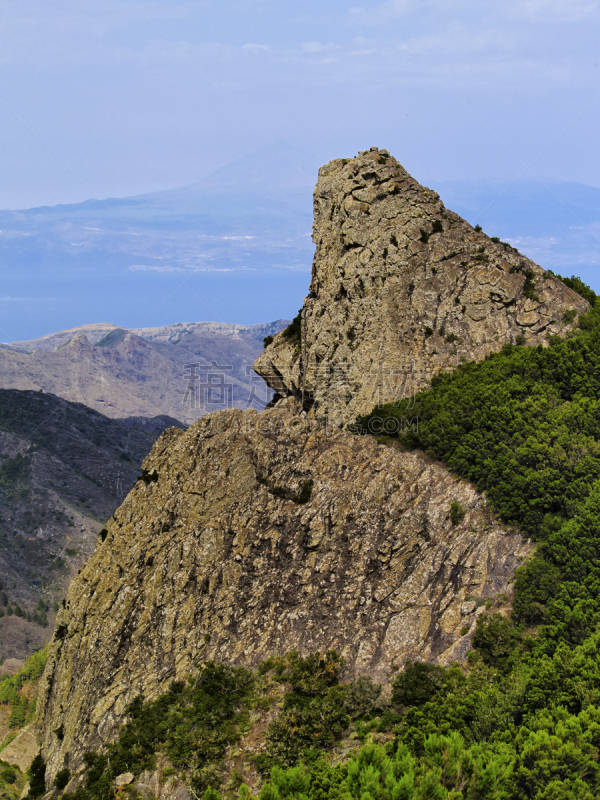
{"type": "Point", "coordinates": [401, 289]}
{"type": "Point", "coordinates": [255, 534]}
{"type": "Point", "coordinates": [252, 534]}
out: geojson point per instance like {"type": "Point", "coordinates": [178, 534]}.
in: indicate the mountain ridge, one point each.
{"type": "Point", "coordinates": [145, 372]}
{"type": "Point", "coordinates": [256, 534]}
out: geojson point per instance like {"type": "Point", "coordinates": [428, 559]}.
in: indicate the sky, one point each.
{"type": "Point", "coordinates": [122, 97]}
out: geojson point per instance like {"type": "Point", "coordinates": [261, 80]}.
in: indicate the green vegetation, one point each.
{"type": "Point", "coordinates": [523, 425]}
{"type": "Point", "coordinates": [267, 341]}
{"type": "Point", "coordinates": [293, 332]}
{"type": "Point", "coordinates": [313, 715]}
{"type": "Point", "coordinates": [457, 512]}
{"type": "Point", "coordinates": [529, 286]}
{"type": "Point", "coordinates": [522, 719]}
{"type": "Point", "coordinates": [12, 695]}
{"type": "Point", "coordinates": [192, 724]}
{"type": "Point", "coordinates": [580, 287]}
{"type": "Point", "coordinates": [14, 477]}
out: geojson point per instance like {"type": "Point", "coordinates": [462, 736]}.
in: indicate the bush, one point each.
{"type": "Point", "coordinates": [37, 777]}
{"type": "Point", "coordinates": [267, 341]}
{"type": "Point", "coordinates": [417, 684]}
{"type": "Point", "coordinates": [495, 638]}
{"type": "Point", "coordinates": [313, 715]}
{"type": "Point", "coordinates": [293, 332]}
{"type": "Point", "coordinates": [581, 288]}
{"type": "Point", "coordinates": [362, 695]}
{"type": "Point", "coordinates": [457, 513]}
{"type": "Point", "coordinates": [62, 778]}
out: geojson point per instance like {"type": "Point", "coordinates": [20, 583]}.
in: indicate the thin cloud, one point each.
{"type": "Point", "coordinates": [187, 270]}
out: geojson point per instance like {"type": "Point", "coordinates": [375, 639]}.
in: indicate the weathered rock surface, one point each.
{"type": "Point", "coordinates": [401, 289]}
{"type": "Point", "coordinates": [23, 748]}
{"type": "Point", "coordinates": [216, 560]}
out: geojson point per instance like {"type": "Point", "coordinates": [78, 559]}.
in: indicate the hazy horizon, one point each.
{"type": "Point", "coordinates": [102, 104]}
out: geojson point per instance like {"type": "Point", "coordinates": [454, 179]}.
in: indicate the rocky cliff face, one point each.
{"type": "Point", "coordinates": [401, 289]}
{"type": "Point", "coordinates": [253, 534]}
{"type": "Point", "coordinates": [218, 558]}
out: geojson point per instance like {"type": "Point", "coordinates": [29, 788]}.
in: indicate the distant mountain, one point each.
{"type": "Point", "coordinates": [64, 469]}
{"type": "Point", "coordinates": [234, 246]}
{"type": "Point", "coordinates": [181, 370]}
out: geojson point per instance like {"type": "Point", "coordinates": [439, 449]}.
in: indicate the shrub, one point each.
{"type": "Point", "coordinates": [581, 288]}
{"type": "Point", "coordinates": [293, 332]}
{"type": "Point", "coordinates": [437, 226]}
{"type": "Point", "coordinates": [424, 237]}
{"type": "Point", "coordinates": [495, 638]}
{"type": "Point", "coordinates": [313, 715]}
{"type": "Point", "coordinates": [37, 777]}
{"type": "Point", "coordinates": [428, 332]}
{"type": "Point", "coordinates": [457, 513]}
{"type": "Point", "coordinates": [417, 684]}
{"type": "Point", "coordinates": [361, 696]}
{"type": "Point", "coordinates": [267, 341]}
{"type": "Point", "coordinates": [62, 778]}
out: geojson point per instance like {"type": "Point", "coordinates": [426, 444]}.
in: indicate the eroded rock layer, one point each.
{"type": "Point", "coordinates": [401, 289]}
{"type": "Point", "coordinates": [256, 534]}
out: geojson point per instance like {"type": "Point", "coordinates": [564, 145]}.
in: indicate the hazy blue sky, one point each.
{"type": "Point", "coordinates": [138, 96]}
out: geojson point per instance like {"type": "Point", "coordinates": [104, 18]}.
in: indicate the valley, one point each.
{"type": "Point", "coordinates": [64, 469]}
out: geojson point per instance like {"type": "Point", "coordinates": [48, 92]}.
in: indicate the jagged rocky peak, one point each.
{"type": "Point", "coordinates": [402, 288]}
{"type": "Point", "coordinates": [256, 534]}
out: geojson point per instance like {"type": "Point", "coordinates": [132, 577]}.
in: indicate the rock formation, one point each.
{"type": "Point", "coordinates": [252, 534]}
{"type": "Point", "coordinates": [218, 559]}
{"type": "Point", "coordinates": [401, 289]}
